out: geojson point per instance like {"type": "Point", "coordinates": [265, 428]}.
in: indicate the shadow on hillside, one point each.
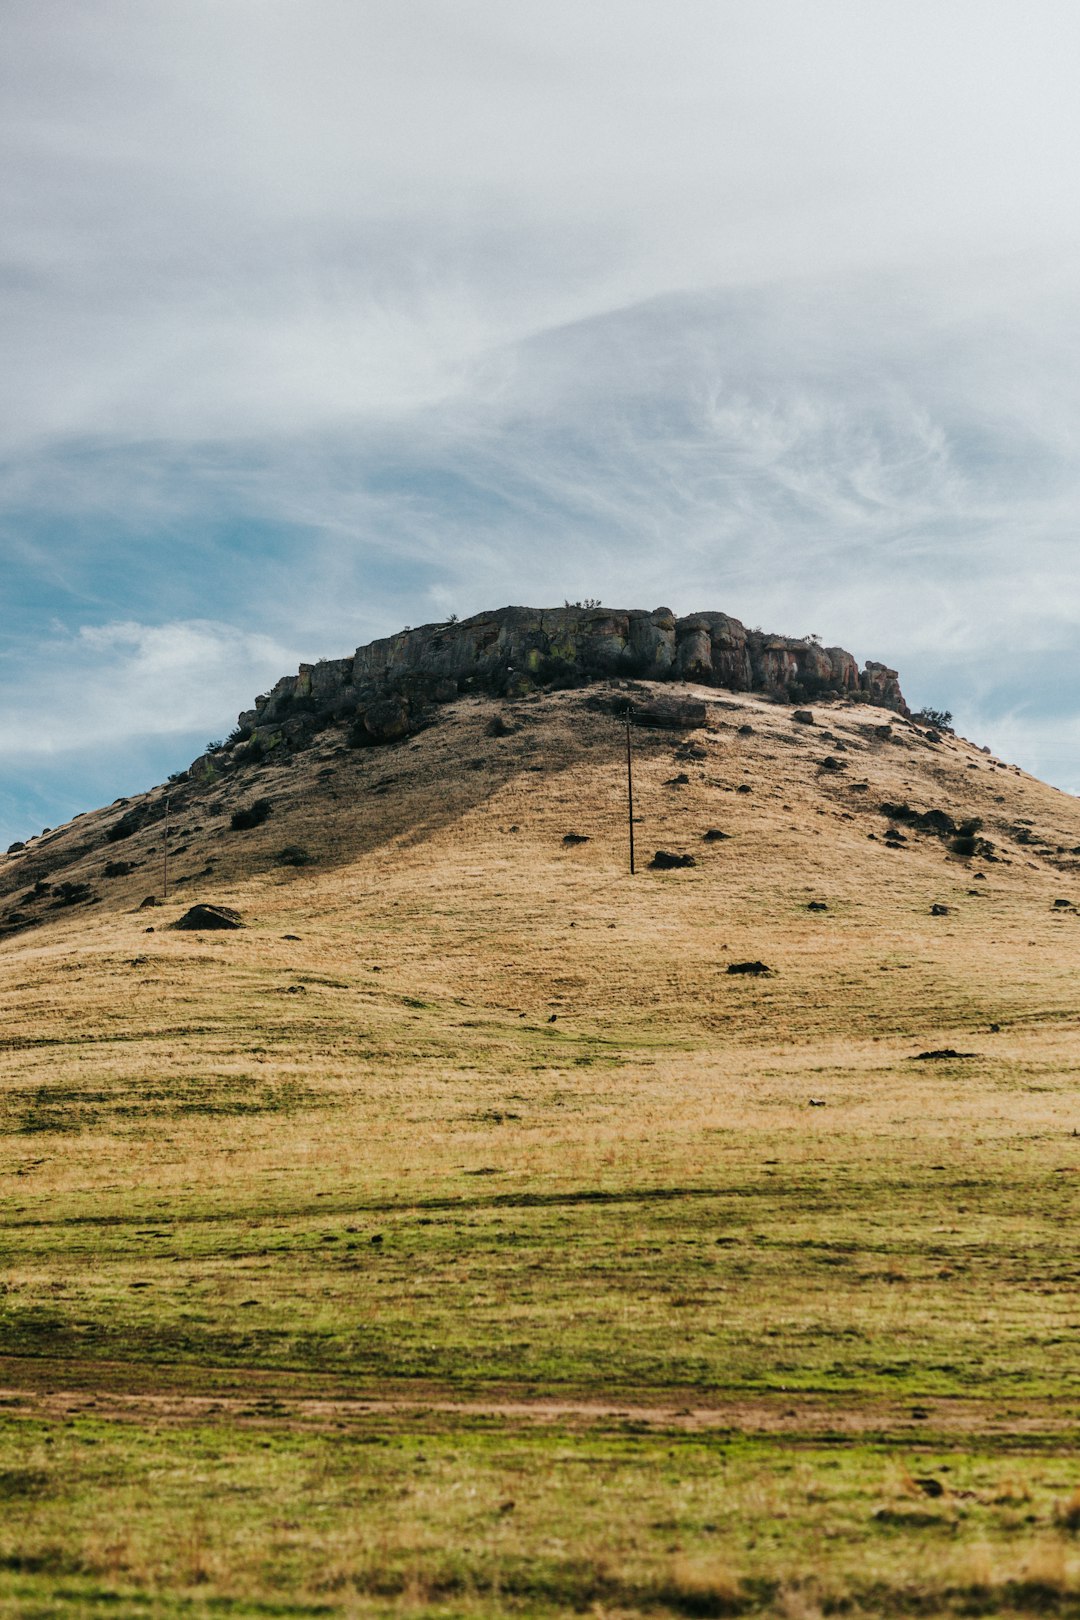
{"type": "Point", "coordinates": [329, 806]}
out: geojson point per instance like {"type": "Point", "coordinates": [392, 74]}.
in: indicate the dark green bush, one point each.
{"type": "Point", "coordinates": [940, 719]}
{"type": "Point", "coordinates": [252, 815]}
{"type": "Point", "coordinates": [292, 855]}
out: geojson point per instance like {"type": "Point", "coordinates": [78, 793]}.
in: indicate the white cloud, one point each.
{"type": "Point", "coordinates": [244, 219]}
{"type": "Point", "coordinates": [106, 684]}
{"type": "Point", "coordinates": [764, 306]}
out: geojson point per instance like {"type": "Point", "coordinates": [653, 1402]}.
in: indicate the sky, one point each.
{"type": "Point", "coordinates": [324, 317]}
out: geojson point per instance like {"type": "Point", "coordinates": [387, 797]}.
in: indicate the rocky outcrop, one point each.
{"type": "Point", "coordinates": [387, 687]}
{"type": "Point", "coordinates": [208, 917]}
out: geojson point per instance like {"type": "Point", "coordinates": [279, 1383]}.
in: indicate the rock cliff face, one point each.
{"type": "Point", "coordinates": [385, 687]}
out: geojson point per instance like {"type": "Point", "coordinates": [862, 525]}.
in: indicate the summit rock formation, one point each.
{"type": "Point", "coordinates": [388, 686]}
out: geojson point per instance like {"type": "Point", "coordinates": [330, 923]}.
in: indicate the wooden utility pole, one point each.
{"type": "Point", "coordinates": [165, 855]}
{"type": "Point", "coordinates": [630, 791]}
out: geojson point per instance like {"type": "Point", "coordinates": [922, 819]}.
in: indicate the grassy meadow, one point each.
{"type": "Point", "coordinates": [461, 1237]}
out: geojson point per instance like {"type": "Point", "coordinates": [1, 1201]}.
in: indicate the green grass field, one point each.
{"type": "Point", "coordinates": [460, 1238]}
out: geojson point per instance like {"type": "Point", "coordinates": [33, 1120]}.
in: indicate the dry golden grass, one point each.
{"type": "Point", "coordinates": [498, 1123]}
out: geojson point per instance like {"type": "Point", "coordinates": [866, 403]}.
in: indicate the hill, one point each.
{"type": "Point", "coordinates": [468, 1182]}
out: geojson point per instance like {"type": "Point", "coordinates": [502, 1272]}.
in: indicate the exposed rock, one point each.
{"type": "Point", "coordinates": [208, 916]}
{"type": "Point", "coordinates": [936, 822]}
{"type": "Point", "coordinates": [804, 717]}
{"type": "Point", "coordinates": [576, 838]}
{"type": "Point", "coordinates": [656, 713]}
{"type": "Point", "coordinates": [387, 719]}
{"type": "Point", "coordinates": [882, 685]}
{"type": "Point", "coordinates": [755, 969]}
{"type": "Point", "coordinates": [714, 835]}
{"type": "Point", "coordinates": [694, 655]}
{"type": "Point", "coordinates": [388, 683]}
{"type": "Point", "coordinates": [670, 714]}
{"type": "Point", "coordinates": [665, 861]}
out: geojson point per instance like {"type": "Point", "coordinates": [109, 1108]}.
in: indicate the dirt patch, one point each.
{"type": "Point", "coordinates": [117, 1392]}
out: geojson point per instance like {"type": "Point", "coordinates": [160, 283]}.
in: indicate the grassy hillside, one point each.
{"type": "Point", "coordinates": [461, 1236]}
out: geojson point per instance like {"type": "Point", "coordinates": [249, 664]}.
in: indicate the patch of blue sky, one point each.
{"type": "Point", "coordinates": [49, 792]}
{"type": "Point", "coordinates": [89, 568]}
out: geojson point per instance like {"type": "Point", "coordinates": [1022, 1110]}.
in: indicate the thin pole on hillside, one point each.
{"type": "Point", "coordinates": [630, 791]}
{"type": "Point", "coordinates": [165, 854]}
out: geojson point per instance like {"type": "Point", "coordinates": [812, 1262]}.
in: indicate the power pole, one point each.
{"type": "Point", "coordinates": [630, 791]}
{"type": "Point", "coordinates": [165, 855]}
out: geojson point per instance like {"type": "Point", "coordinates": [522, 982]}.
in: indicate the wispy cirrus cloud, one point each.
{"type": "Point", "coordinates": [322, 318]}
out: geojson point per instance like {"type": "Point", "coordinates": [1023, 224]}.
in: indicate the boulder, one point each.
{"type": "Point", "coordinates": [387, 719]}
{"type": "Point", "coordinates": [670, 714]}
{"type": "Point", "coordinates": [883, 687]}
{"type": "Point", "coordinates": [693, 657]}
{"type": "Point", "coordinates": [652, 641]}
{"type": "Point", "coordinates": [208, 916]}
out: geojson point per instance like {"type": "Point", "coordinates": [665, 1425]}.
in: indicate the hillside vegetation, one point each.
{"type": "Point", "coordinates": [463, 1236]}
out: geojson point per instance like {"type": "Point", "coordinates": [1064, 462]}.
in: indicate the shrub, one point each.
{"type": "Point", "coordinates": [292, 855]}
{"type": "Point", "coordinates": [967, 841]}
{"type": "Point", "coordinates": [129, 823]}
{"type": "Point", "coordinates": [940, 719]}
{"type": "Point", "coordinates": [252, 752]}
{"type": "Point", "coordinates": [73, 894]}
{"type": "Point", "coordinates": [252, 815]}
